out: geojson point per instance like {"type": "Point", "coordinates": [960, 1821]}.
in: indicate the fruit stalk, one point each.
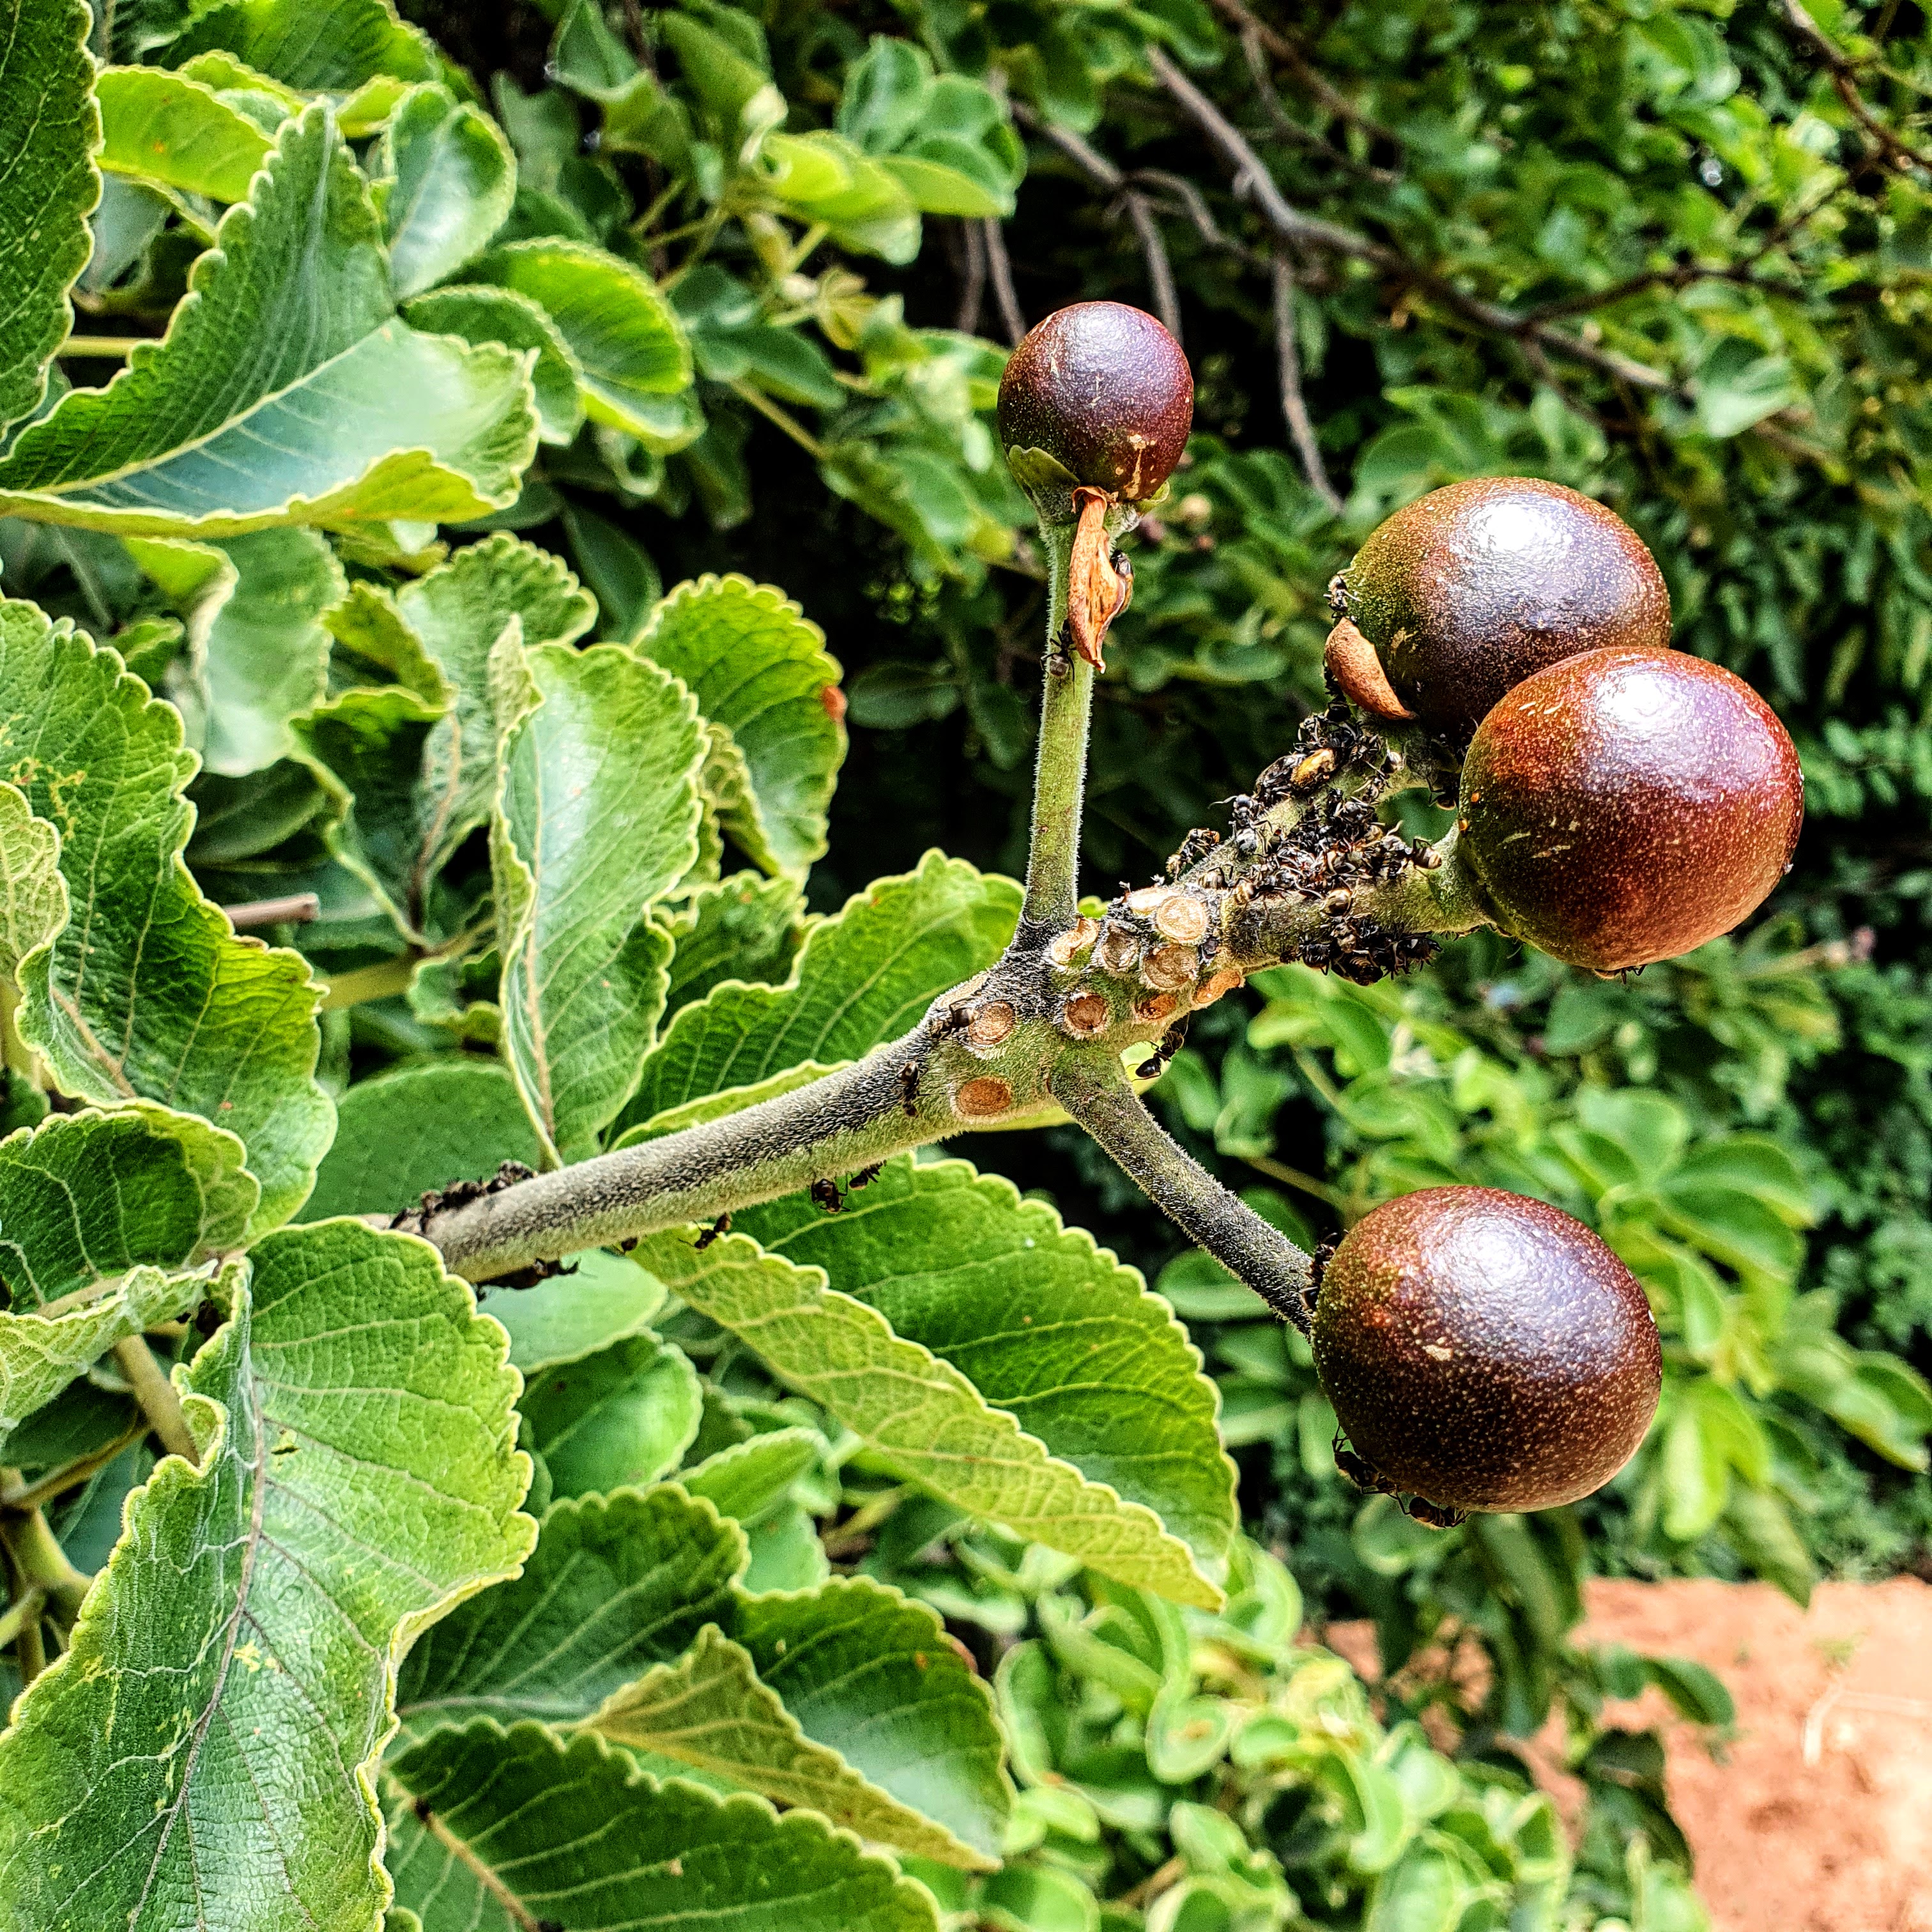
{"type": "Point", "coordinates": [1060, 773]}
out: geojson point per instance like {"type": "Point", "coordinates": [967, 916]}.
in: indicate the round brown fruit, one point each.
{"type": "Point", "coordinates": [1105, 391]}
{"type": "Point", "coordinates": [1627, 806]}
{"type": "Point", "coordinates": [1469, 590]}
{"type": "Point", "coordinates": [1486, 1351]}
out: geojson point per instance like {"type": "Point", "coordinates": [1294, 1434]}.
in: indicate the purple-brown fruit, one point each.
{"type": "Point", "coordinates": [1627, 806]}
{"type": "Point", "coordinates": [1470, 589]}
{"type": "Point", "coordinates": [1105, 391]}
{"type": "Point", "coordinates": [1484, 1350]}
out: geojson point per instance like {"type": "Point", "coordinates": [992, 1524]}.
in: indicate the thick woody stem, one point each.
{"type": "Point", "coordinates": [1093, 1088]}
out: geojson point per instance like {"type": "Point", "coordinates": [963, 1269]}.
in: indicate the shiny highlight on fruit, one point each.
{"type": "Point", "coordinates": [1627, 806]}
{"type": "Point", "coordinates": [1469, 590]}
{"type": "Point", "coordinates": [1484, 1350]}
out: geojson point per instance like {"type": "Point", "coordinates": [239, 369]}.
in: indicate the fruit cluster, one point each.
{"type": "Point", "coordinates": [1618, 801]}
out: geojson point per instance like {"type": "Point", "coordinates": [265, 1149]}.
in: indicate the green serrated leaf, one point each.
{"type": "Point", "coordinates": [164, 128]}
{"type": "Point", "coordinates": [49, 186]}
{"type": "Point", "coordinates": [617, 1419]}
{"type": "Point", "coordinates": [629, 342]}
{"type": "Point", "coordinates": [316, 46]}
{"type": "Point", "coordinates": [501, 315]}
{"type": "Point", "coordinates": [33, 895]}
{"type": "Point", "coordinates": [751, 1478]}
{"type": "Point", "coordinates": [760, 670]}
{"type": "Point", "coordinates": [447, 180]}
{"type": "Point", "coordinates": [874, 1676]}
{"type": "Point", "coordinates": [862, 976]}
{"type": "Point", "coordinates": [147, 993]}
{"type": "Point", "coordinates": [709, 1711]}
{"type": "Point", "coordinates": [597, 819]}
{"type": "Point", "coordinates": [208, 1742]}
{"type": "Point", "coordinates": [520, 1829]}
{"type": "Point", "coordinates": [336, 414]}
{"type": "Point", "coordinates": [40, 1355]}
{"type": "Point", "coordinates": [743, 928]}
{"type": "Point", "coordinates": [919, 1413]}
{"type": "Point", "coordinates": [1045, 1324]}
{"type": "Point", "coordinates": [416, 1130]}
{"type": "Point", "coordinates": [600, 1298]}
{"type": "Point", "coordinates": [615, 1584]}
{"type": "Point", "coordinates": [86, 1196]}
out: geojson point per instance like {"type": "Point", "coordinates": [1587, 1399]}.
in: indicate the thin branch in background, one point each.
{"type": "Point", "coordinates": [1160, 272]}
{"type": "Point", "coordinates": [972, 246]}
{"type": "Point", "coordinates": [1294, 405]}
{"type": "Point", "coordinates": [296, 909]}
{"type": "Point", "coordinates": [1844, 72]}
{"type": "Point", "coordinates": [1300, 137]}
{"type": "Point", "coordinates": [998, 261]}
{"type": "Point", "coordinates": [1193, 205]}
{"type": "Point", "coordinates": [1253, 181]}
{"type": "Point", "coordinates": [1304, 70]}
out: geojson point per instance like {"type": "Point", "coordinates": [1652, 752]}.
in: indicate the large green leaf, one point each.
{"type": "Point", "coordinates": [1043, 1323]}
{"type": "Point", "coordinates": [875, 1677]}
{"type": "Point", "coordinates": [759, 670]}
{"type": "Point", "coordinates": [615, 1585]}
{"type": "Point", "coordinates": [285, 390]}
{"type": "Point", "coordinates": [416, 1131]}
{"type": "Point", "coordinates": [86, 1196]}
{"type": "Point", "coordinates": [492, 1831]}
{"type": "Point", "coordinates": [919, 1413]}
{"type": "Point", "coordinates": [331, 46]}
{"type": "Point", "coordinates": [147, 992]}
{"type": "Point", "coordinates": [501, 315]}
{"type": "Point", "coordinates": [448, 180]}
{"type": "Point", "coordinates": [204, 1749]}
{"type": "Point", "coordinates": [862, 977]}
{"type": "Point", "coordinates": [710, 1711]}
{"type": "Point", "coordinates": [630, 346]}
{"type": "Point", "coordinates": [255, 605]}
{"type": "Point", "coordinates": [49, 136]}
{"type": "Point", "coordinates": [164, 128]}
{"type": "Point", "coordinates": [597, 818]}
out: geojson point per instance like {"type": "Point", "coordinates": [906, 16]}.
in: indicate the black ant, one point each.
{"type": "Point", "coordinates": [827, 1194]}
{"type": "Point", "coordinates": [1171, 1041]}
{"type": "Point", "coordinates": [866, 1176]}
{"type": "Point", "coordinates": [1418, 1509]}
{"type": "Point", "coordinates": [722, 1225]}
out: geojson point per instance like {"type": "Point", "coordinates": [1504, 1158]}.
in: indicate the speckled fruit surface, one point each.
{"type": "Point", "coordinates": [1627, 806]}
{"type": "Point", "coordinates": [1467, 591]}
{"type": "Point", "coordinates": [1104, 389]}
{"type": "Point", "coordinates": [1485, 1350]}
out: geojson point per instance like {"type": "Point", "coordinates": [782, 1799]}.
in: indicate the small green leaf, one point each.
{"type": "Point", "coordinates": [48, 187]}
{"type": "Point", "coordinates": [147, 993]}
{"type": "Point", "coordinates": [615, 1584]}
{"type": "Point", "coordinates": [447, 178]}
{"type": "Point", "coordinates": [263, 404]}
{"type": "Point", "coordinates": [597, 819]}
{"type": "Point", "coordinates": [628, 341]}
{"type": "Point", "coordinates": [919, 1413]}
{"type": "Point", "coordinates": [164, 128]}
{"type": "Point", "coordinates": [572, 1835]}
{"type": "Point", "coordinates": [231, 1675]}
{"type": "Point", "coordinates": [760, 669]}
{"type": "Point", "coordinates": [501, 315]}
{"type": "Point", "coordinates": [863, 977]}
{"type": "Point", "coordinates": [600, 1298]}
{"type": "Point", "coordinates": [619, 1418]}
{"type": "Point", "coordinates": [743, 928]}
{"type": "Point", "coordinates": [751, 1478]}
{"type": "Point", "coordinates": [332, 47]}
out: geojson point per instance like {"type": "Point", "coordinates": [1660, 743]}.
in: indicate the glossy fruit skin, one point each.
{"type": "Point", "coordinates": [1627, 806]}
{"type": "Point", "coordinates": [1486, 1351]}
{"type": "Point", "coordinates": [1470, 589]}
{"type": "Point", "coordinates": [1104, 389]}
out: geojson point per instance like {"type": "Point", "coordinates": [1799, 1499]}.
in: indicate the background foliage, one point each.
{"type": "Point", "coordinates": [766, 260]}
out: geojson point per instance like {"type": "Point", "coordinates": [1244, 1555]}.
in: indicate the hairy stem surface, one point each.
{"type": "Point", "coordinates": [1059, 773]}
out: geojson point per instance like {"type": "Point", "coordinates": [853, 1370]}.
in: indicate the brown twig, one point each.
{"type": "Point", "coordinates": [1253, 180]}
{"type": "Point", "coordinates": [1294, 405]}
{"type": "Point", "coordinates": [1304, 70]}
{"type": "Point", "coordinates": [1001, 265]}
{"type": "Point", "coordinates": [1300, 137]}
{"type": "Point", "coordinates": [972, 278]}
{"type": "Point", "coordinates": [294, 909]}
{"type": "Point", "coordinates": [1844, 72]}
